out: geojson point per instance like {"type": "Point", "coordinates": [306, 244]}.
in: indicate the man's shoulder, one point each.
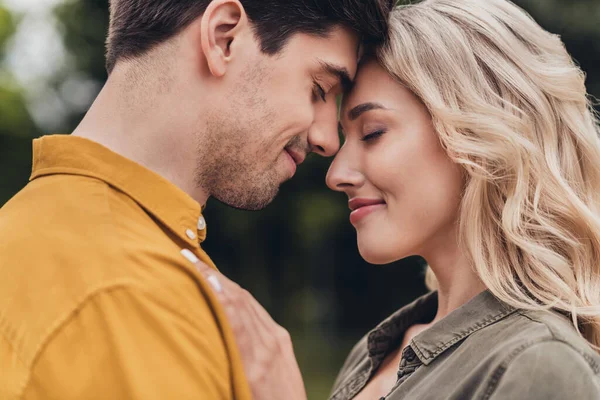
{"type": "Point", "coordinates": [73, 234]}
{"type": "Point", "coordinates": [65, 238]}
{"type": "Point", "coordinates": [71, 216]}
{"type": "Point", "coordinates": [60, 202]}
{"type": "Point", "coordinates": [110, 329]}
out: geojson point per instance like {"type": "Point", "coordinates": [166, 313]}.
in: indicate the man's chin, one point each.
{"type": "Point", "coordinates": [247, 203]}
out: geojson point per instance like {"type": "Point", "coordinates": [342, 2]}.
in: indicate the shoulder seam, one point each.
{"type": "Point", "coordinates": [591, 362]}
{"type": "Point", "coordinates": [538, 321]}
{"type": "Point", "coordinates": [496, 376]}
{"type": "Point", "coordinates": [63, 321]}
{"type": "Point", "coordinates": [89, 297]}
{"type": "Point", "coordinates": [4, 336]}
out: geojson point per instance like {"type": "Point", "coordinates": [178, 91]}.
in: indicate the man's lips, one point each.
{"type": "Point", "coordinates": [297, 156]}
{"type": "Point", "coordinates": [357, 203]}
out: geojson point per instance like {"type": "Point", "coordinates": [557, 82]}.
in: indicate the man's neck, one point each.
{"type": "Point", "coordinates": [143, 127]}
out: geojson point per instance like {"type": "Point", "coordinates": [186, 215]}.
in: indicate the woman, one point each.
{"type": "Point", "coordinates": [469, 140]}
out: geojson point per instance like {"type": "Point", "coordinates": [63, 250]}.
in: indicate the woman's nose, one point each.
{"type": "Point", "coordinates": [342, 175]}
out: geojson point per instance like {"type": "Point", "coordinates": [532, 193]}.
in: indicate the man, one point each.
{"type": "Point", "coordinates": [99, 295]}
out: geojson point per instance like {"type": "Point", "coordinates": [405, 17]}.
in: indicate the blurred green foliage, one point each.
{"type": "Point", "coordinates": [16, 124]}
{"type": "Point", "coordinates": [299, 256]}
{"type": "Point", "coordinates": [7, 28]}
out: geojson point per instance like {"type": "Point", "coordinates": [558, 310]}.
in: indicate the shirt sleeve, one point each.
{"type": "Point", "coordinates": [128, 343]}
{"type": "Point", "coordinates": [546, 371]}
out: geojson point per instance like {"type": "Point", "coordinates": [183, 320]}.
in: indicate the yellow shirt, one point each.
{"type": "Point", "coordinates": [97, 300]}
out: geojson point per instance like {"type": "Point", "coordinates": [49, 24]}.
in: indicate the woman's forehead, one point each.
{"type": "Point", "coordinates": [371, 85]}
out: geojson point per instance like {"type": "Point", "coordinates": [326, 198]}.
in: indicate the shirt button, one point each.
{"type": "Point", "coordinates": [201, 224]}
{"type": "Point", "coordinates": [190, 233]}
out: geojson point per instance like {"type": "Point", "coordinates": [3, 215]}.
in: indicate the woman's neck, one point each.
{"type": "Point", "coordinates": [457, 281]}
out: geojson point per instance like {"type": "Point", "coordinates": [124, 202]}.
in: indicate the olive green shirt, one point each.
{"type": "Point", "coordinates": [483, 350]}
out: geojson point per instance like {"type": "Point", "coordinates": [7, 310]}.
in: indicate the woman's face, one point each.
{"type": "Point", "coordinates": [404, 190]}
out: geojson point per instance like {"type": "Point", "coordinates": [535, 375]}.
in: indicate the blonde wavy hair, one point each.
{"type": "Point", "coordinates": [510, 106]}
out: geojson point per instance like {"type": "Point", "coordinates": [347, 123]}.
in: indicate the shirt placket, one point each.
{"type": "Point", "coordinates": [201, 229]}
{"type": "Point", "coordinates": [408, 365]}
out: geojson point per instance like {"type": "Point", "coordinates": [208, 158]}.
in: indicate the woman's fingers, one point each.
{"type": "Point", "coordinates": [212, 276]}
{"type": "Point", "coordinates": [265, 347]}
{"type": "Point", "coordinates": [238, 307]}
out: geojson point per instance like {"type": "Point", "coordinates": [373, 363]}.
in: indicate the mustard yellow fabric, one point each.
{"type": "Point", "coordinates": [96, 299]}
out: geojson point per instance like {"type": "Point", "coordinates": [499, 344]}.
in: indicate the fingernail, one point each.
{"type": "Point", "coordinates": [214, 281]}
{"type": "Point", "coordinates": [189, 255]}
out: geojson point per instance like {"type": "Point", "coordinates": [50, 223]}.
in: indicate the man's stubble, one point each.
{"type": "Point", "coordinates": [232, 167]}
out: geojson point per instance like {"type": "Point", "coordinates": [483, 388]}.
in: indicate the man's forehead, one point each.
{"type": "Point", "coordinates": [341, 46]}
{"type": "Point", "coordinates": [360, 52]}
{"type": "Point", "coordinates": [343, 111]}
{"type": "Point", "coordinates": [334, 62]}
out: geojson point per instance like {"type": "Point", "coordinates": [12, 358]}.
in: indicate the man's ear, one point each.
{"type": "Point", "coordinates": [221, 23]}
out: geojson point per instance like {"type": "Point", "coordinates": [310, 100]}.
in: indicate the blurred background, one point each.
{"type": "Point", "coordinates": [299, 256]}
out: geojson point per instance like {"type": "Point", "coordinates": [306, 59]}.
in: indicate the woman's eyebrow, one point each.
{"type": "Point", "coordinates": [363, 108]}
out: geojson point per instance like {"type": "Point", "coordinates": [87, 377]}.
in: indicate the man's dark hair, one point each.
{"type": "Point", "coordinates": [137, 26]}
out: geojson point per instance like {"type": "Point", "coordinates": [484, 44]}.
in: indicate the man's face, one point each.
{"type": "Point", "coordinates": [275, 111]}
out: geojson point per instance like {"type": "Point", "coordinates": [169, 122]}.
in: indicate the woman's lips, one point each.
{"type": "Point", "coordinates": [362, 207]}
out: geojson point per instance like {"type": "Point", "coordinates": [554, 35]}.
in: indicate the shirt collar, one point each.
{"type": "Point", "coordinates": [481, 311]}
{"type": "Point", "coordinates": [66, 154]}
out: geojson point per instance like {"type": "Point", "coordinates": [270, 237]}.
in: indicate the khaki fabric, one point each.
{"type": "Point", "coordinates": [483, 350]}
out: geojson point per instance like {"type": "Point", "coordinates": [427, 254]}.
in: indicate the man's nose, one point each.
{"type": "Point", "coordinates": [323, 134]}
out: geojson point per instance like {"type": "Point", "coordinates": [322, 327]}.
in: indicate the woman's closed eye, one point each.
{"type": "Point", "coordinates": [373, 135]}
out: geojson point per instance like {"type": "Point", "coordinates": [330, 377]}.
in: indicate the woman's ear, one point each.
{"type": "Point", "coordinates": [222, 23]}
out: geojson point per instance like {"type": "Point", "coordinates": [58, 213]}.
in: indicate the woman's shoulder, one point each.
{"type": "Point", "coordinates": [526, 328]}
{"type": "Point", "coordinates": [538, 354]}
{"type": "Point", "coordinates": [496, 351]}
{"type": "Point", "coordinates": [545, 369]}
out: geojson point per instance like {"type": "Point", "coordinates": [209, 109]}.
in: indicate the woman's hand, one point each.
{"type": "Point", "coordinates": [266, 348]}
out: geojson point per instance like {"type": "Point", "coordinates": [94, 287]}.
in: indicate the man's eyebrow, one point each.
{"type": "Point", "coordinates": [341, 73]}
{"type": "Point", "coordinates": [363, 108]}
